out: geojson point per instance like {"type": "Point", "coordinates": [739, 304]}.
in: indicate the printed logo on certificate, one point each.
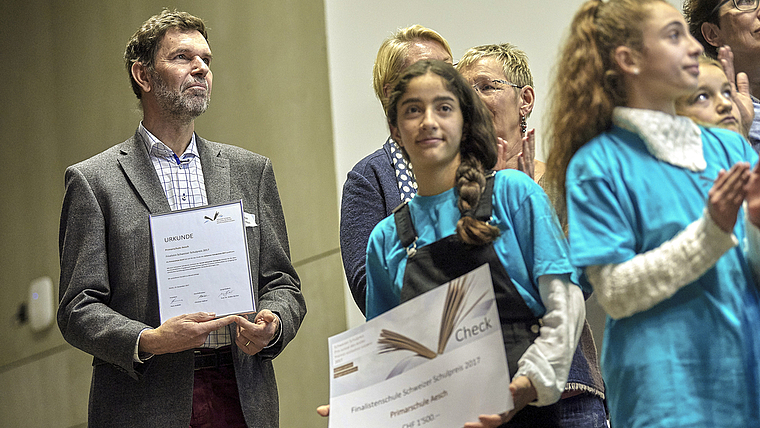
{"type": "Point", "coordinates": [202, 262]}
{"type": "Point", "coordinates": [437, 360]}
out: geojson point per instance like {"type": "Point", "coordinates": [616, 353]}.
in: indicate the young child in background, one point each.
{"type": "Point", "coordinates": [713, 103]}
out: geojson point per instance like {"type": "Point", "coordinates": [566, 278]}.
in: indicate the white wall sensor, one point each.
{"type": "Point", "coordinates": [40, 303]}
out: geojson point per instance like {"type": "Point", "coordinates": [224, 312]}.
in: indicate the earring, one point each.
{"type": "Point", "coordinates": [523, 124]}
{"type": "Point", "coordinates": [635, 71]}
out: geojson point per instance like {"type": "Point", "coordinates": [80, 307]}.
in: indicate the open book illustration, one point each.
{"type": "Point", "coordinates": [437, 359]}
{"type": "Point", "coordinates": [458, 304]}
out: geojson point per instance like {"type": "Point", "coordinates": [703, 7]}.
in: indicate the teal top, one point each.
{"type": "Point", "coordinates": [691, 360]}
{"type": "Point", "coordinates": [531, 243]}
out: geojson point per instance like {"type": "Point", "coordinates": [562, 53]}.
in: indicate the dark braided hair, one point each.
{"type": "Point", "coordinates": [477, 149]}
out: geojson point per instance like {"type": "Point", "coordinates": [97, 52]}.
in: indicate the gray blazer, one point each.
{"type": "Point", "coordinates": [108, 283]}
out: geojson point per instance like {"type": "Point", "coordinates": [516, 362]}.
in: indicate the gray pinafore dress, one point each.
{"type": "Point", "coordinates": [449, 258]}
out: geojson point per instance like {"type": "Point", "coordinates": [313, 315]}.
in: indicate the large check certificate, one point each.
{"type": "Point", "coordinates": [437, 360]}
{"type": "Point", "coordinates": [202, 262]}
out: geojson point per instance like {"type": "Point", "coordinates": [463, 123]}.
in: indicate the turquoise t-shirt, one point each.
{"type": "Point", "coordinates": [691, 360]}
{"type": "Point", "coordinates": [531, 243]}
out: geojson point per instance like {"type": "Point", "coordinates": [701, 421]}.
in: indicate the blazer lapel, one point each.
{"type": "Point", "coordinates": [216, 171]}
{"type": "Point", "coordinates": [134, 160]}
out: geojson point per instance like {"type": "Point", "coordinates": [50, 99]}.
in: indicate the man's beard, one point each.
{"type": "Point", "coordinates": [179, 105]}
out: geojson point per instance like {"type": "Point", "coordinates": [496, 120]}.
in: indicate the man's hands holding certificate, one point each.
{"type": "Point", "coordinates": [254, 336]}
{"type": "Point", "coordinates": [182, 332]}
{"type": "Point", "coordinates": [190, 331]}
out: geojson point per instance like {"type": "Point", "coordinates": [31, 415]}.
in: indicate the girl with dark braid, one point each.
{"type": "Point", "coordinates": [464, 216]}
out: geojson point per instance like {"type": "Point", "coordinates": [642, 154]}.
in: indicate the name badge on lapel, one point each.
{"type": "Point", "coordinates": [249, 219]}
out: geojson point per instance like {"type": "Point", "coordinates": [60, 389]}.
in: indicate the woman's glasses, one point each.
{"type": "Point", "coordinates": [489, 87]}
{"type": "Point", "coordinates": [742, 5]}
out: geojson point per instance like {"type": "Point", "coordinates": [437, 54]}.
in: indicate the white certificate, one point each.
{"type": "Point", "coordinates": [437, 360]}
{"type": "Point", "coordinates": [202, 262]}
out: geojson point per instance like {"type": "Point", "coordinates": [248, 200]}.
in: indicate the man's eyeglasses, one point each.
{"type": "Point", "coordinates": [741, 5]}
{"type": "Point", "coordinates": [490, 87]}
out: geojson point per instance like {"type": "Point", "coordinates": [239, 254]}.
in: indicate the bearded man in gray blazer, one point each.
{"type": "Point", "coordinates": [192, 370]}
